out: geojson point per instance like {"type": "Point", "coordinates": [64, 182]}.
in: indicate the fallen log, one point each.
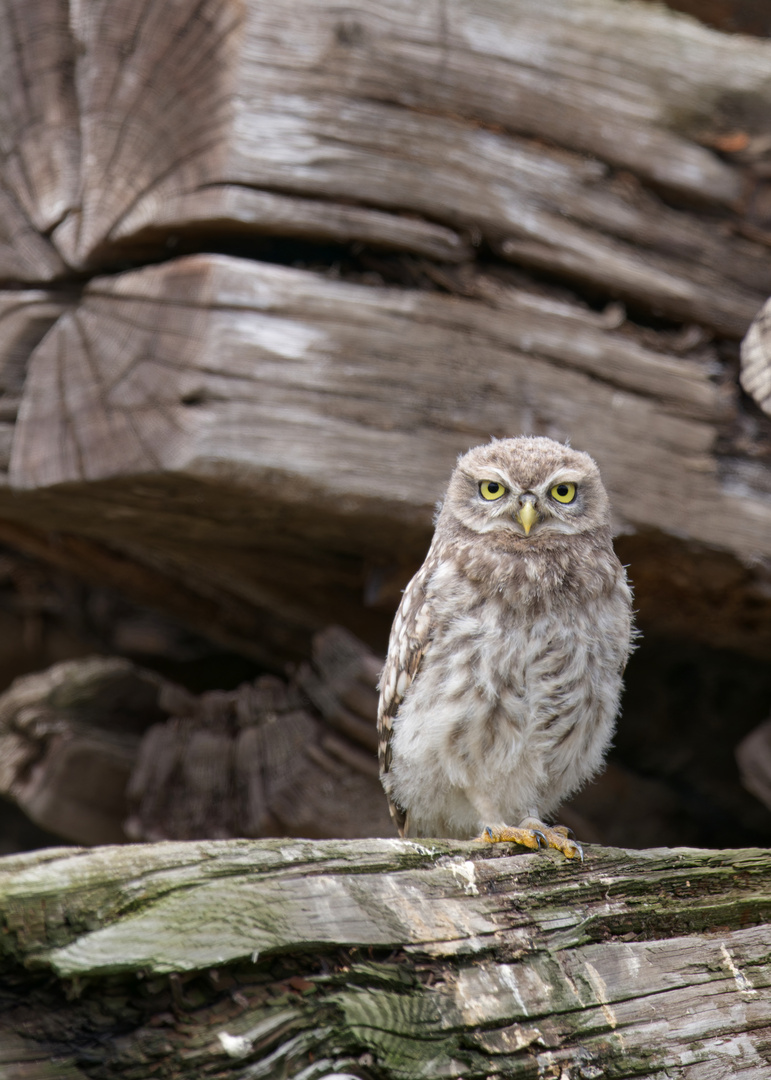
{"type": "Point", "coordinates": [387, 958]}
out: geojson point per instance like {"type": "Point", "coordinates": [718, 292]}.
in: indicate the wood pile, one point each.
{"type": "Point", "coordinates": [252, 435]}
{"type": "Point", "coordinates": [266, 269]}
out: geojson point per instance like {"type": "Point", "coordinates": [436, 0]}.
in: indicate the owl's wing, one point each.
{"type": "Point", "coordinates": [410, 636]}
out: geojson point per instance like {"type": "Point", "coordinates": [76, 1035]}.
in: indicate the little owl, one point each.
{"type": "Point", "coordinates": [503, 676]}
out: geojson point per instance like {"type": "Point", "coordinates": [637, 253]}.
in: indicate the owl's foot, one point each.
{"type": "Point", "coordinates": [534, 834]}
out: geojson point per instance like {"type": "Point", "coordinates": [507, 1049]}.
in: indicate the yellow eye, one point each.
{"type": "Point", "coordinates": [491, 489]}
{"type": "Point", "coordinates": [564, 493]}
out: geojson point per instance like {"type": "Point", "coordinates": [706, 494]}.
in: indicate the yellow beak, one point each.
{"type": "Point", "coordinates": [527, 515]}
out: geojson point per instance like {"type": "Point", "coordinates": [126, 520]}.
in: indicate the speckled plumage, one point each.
{"type": "Point", "coordinates": [501, 686]}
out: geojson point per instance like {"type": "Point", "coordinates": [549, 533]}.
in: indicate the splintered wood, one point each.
{"type": "Point", "coordinates": [99, 750]}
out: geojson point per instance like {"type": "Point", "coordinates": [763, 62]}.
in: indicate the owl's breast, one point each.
{"type": "Point", "coordinates": [503, 666]}
{"type": "Point", "coordinates": [515, 700]}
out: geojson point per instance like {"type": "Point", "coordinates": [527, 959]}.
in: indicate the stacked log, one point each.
{"type": "Point", "coordinates": [265, 270]}
{"type": "Point", "coordinates": [268, 269]}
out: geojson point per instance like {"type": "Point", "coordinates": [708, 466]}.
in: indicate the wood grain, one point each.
{"type": "Point", "coordinates": [284, 955]}
{"type": "Point", "coordinates": [40, 123]}
{"type": "Point", "coordinates": [375, 127]}
{"type": "Point", "coordinates": [260, 420]}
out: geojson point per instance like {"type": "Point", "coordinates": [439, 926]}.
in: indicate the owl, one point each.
{"type": "Point", "coordinates": [501, 686]}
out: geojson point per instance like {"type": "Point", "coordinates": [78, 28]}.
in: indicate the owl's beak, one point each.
{"type": "Point", "coordinates": [527, 515]}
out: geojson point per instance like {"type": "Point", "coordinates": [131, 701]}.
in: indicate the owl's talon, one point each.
{"type": "Point", "coordinates": [504, 834]}
{"type": "Point", "coordinates": [557, 836]}
{"type": "Point", "coordinates": [570, 848]}
{"type": "Point", "coordinates": [534, 835]}
{"type": "Point", "coordinates": [534, 839]}
{"type": "Point", "coordinates": [566, 831]}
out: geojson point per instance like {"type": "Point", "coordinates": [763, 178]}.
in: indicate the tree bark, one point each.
{"type": "Point", "coordinates": [384, 958]}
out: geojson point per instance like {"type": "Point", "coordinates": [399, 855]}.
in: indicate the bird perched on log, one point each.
{"type": "Point", "coordinates": [501, 686]}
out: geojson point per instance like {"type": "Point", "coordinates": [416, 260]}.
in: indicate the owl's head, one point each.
{"type": "Point", "coordinates": [527, 488]}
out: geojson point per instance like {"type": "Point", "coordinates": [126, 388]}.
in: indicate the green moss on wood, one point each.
{"type": "Point", "coordinates": [264, 958]}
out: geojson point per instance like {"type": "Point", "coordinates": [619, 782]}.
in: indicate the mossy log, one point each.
{"type": "Point", "coordinates": [384, 958]}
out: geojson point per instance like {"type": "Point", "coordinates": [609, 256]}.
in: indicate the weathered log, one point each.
{"type": "Point", "coordinates": [255, 447]}
{"type": "Point", "coordinates": [268, 759]}
{"type": "Point", "coordinates": [242, 428]}
{"type": "Point", "coordinates": [69, 738]}
{"type": "Point", "coordinates": [384, 958]}
{"type": "Point", "coordinates": [301, 102]}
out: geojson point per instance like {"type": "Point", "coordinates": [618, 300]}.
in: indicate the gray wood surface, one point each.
{"type": "Point", "coordinates": [240, 416]}
{"type": "Point", "coordinates": [402, 113]}
{"type": "Point", "coordinates": [387, 958]}
{"type": "Point", "coordinates": [255, 447]}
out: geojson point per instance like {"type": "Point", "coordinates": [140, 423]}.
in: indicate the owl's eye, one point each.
{"type": "Point", "coordinates": [491, 489]}
{"type": "Point", "coordinates": [564, 493]}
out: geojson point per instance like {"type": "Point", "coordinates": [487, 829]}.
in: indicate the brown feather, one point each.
{"type": "Point", "coordinates": [410, 636]}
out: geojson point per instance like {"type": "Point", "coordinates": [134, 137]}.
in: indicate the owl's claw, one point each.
{"type": "Point", "coordinates": [571, 850]}
{"type": "Point", "coordinates": [565, 830]}
{"type": "Point", "coordinates": [570, 837]}
{"type": "Point", "coordinates": [534, 839]}
{"type": "Point", "coordinates": [557, 836]}
{"type": "Point", "coordinates": [530, 838]}
{"type": "Point", "coordinates": [535, 835]}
